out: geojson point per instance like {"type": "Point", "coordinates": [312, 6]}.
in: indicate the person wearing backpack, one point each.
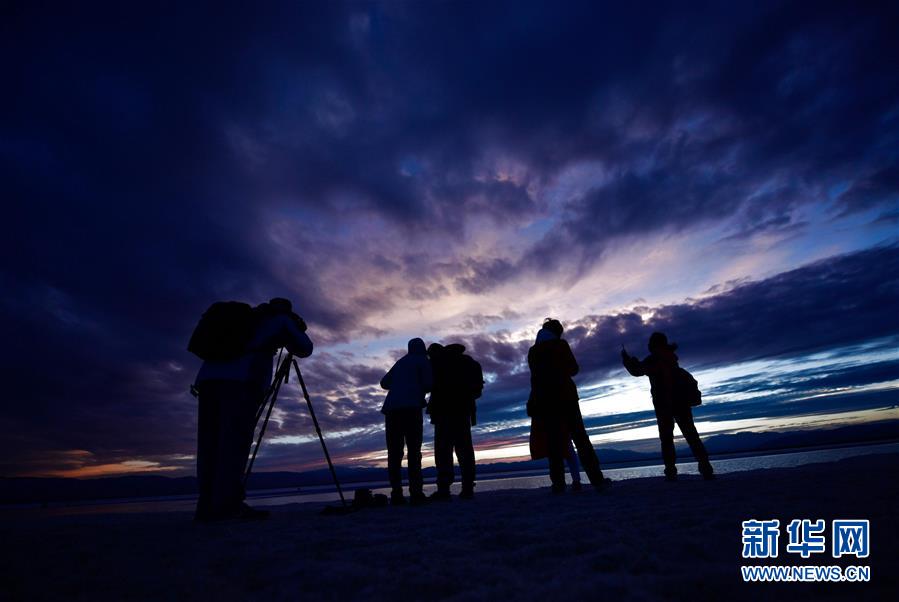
{"type": "Point", "coordinates": [554, 407]}
{"type": "Point", "coordinates": [458, 382]}
{"type": "Point", "coordinates": [237, 343]}
{"type": "Point", "coordinates": [671, 401]}
{"type": "Point", "coordinates": [406, 384]}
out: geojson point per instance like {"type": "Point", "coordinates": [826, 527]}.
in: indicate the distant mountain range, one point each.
{"type": "Point", "coordinates": [18, 490]}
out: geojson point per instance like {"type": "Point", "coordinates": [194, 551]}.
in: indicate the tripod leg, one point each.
{"type": "Point", "coordinates": [280, 377]}
{"type": "Point", "coordinates": [318, 430]}
{"type": "Point", "coordinates": [276, 382]}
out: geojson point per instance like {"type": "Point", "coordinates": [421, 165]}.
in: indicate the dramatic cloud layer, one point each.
{"type": "Point", "coordinates": [450, 170]}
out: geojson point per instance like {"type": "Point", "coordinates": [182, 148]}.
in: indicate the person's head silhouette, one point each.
{"type": "Point", "coordinates": [417, 346]}
{"type": "Point", "coordinates": [554, 326]}
{"type": "Point", "coordinates": [658, 343]}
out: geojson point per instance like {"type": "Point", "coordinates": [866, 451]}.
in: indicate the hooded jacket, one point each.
{"type": "Point", "coordinates": [552, 365]}
{"type": "Point", "coordinates": [408, 380]}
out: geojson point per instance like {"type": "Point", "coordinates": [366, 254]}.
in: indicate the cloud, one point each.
{"type": "Point", "coordinates": [481, 321]}
{"type": "Point", "coordinates": [146, 413]}
{"type": "Point", "coordinates": [834, 302]}
{"type": "Point", "coordinates": [399, 164]}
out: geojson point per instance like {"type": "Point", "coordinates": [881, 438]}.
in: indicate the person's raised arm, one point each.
{"type": "Point", "coordinates": [632, 364]}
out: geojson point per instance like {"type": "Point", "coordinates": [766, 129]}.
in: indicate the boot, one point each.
{"type": "Point", "coordinates": [250, 513]}
{"type": "Point", "coordinates": [467, 492]}
{"type": "Point", "coordinates": [603, 484]}
{"type": "Point", "coordinates": [441, 495]}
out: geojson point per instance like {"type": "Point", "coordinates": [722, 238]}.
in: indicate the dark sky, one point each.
{"type": "Point", "coordinates": [726, 172]}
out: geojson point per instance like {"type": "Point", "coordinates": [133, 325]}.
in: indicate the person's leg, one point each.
{"type": "Point", "coordinates": [666, 437]}
{"type": "Point", "coordinates": [465, 454]}
{"type": "Point", "coordinates": [394, 434]}
{"type": "Point", "coordinates": [247, 419]}
{"type": "Point", "coordinates": [585, 451]}
{"type": "Point", "coordinates": [684, 420]}
{"type": "Point", "coordinates": [414, 432]}
{"type": "Point", "coordinates": [233, 406]}
{"type": "Point", "coordinates": [207, 448]}
{"type": "Point", "coordinates": [443, 454]}
{"type": "Point", "coordinates": [556, 437]}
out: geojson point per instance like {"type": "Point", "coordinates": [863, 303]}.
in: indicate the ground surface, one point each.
{"type": "Point", "coordinates": [645, 539]}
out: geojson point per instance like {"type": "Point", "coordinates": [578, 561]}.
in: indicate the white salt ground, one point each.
{"type": "Point", "coordinates": [643, 540]}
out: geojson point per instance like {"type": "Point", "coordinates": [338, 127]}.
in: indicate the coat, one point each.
{"type": "Point", "coordinates": [553, 391]}
{"type": "Point", "coordinates": [255, 367]}
{"type": "Point", "coordinates": [408, 380]}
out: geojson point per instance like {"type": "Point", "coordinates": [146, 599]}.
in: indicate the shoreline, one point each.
{"type": "Point", "coordinates": [325, 494]}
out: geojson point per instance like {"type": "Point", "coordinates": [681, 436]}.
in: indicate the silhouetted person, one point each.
{"type": "Point", "coordinates": [555, 404]}
{"type": "Point", "coordinates": [230, 392]}
{"type": "Point", "coordinates": [458, 382]}
{"type": "Point", "coordinates": [406, 383]}
{"type": "Point", "coordinates": [661, 367]}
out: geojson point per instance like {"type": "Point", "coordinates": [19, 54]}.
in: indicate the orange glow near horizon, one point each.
{"type": "Point", "coordinates": [77, 463]}
{"type": "Point", "coordinates": [109, 470]}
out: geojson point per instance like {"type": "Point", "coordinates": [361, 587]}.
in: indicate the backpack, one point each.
{"type": "Point", "coordinates": [224, 331]}
{"type": "Point", "coordinates": [686, 389]}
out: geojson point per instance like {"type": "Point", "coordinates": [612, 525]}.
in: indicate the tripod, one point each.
{"type": "Point", "coordinates": [281, 376]}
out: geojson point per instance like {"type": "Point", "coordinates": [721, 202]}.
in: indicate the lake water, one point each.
{"type": "Point", "coordinates": [534, 480]}
{"type": "Point", "coordinates": [518, 480]}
